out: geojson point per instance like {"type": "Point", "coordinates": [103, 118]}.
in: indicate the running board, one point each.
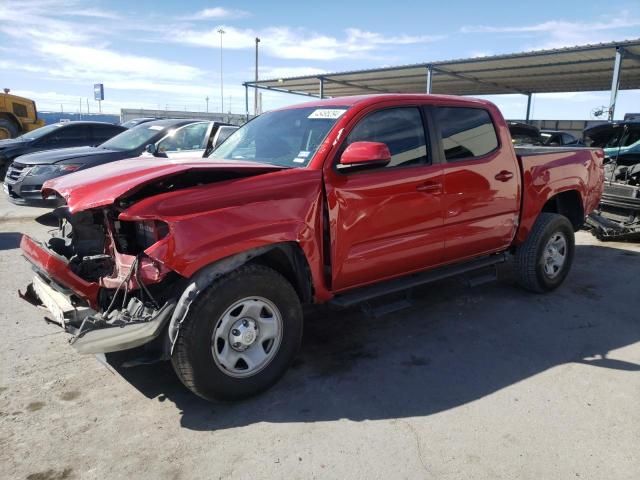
{"type": "Point", "coordinates": [363, 294]}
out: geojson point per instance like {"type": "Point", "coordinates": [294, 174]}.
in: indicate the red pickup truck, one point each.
{"type": "Point", "coordinates": [338, 201]}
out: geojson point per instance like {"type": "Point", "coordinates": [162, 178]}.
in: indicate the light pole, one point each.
{"type": "Point", "coordinates": [255, 93]}
{"type": "Point", "coordinates": [221, 32]}
{"type": "Point", "coordinates": [207, 99]}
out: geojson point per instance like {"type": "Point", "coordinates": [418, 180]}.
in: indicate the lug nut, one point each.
{"type": "Point", "coordinates": [245, 323]}
{"type": "Point", "coordinates": [235, 332]}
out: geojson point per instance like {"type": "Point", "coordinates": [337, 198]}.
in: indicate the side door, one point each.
{"type": "Point", "coordinates": [189, 140]}
{"type": "Point", "coordinates": [385, 221]}
{"type": "Point", "coordinates": [481, 183]}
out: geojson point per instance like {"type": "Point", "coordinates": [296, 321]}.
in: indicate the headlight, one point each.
{"type": "Point", "coordinates": [53, 170]}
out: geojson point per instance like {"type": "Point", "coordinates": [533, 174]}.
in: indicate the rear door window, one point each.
{"type": "Point", "coordinates": [102, 133]}
{"type": "Point", "coordinates": [73, 133]}
{"type": "Point", "coordinates": [466, 133]}
{"type": "Point", "coordinates": [189, 137]}
{"type": "Point", "coordinates": [400, 129]}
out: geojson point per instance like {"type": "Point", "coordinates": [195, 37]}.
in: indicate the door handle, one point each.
{"type": "Point", "coordinates": [504, 176]}
{"type": "Point", "coordinates": [430, 187]}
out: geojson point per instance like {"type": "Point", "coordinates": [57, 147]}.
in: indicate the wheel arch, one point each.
{"type": "Point", "coordinates": [569, 204]}
{"type": "Point", "coordinates": [13, 119]}
{"type": "Point", "coordinates": [287, 258]}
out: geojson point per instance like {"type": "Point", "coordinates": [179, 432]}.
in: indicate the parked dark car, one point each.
{"type": "Point", "coordinates": [25, 176]}
{"type": "Point", "coordinates": [557, 138]}
{"type": "Point", "coordinates": [56, 135]}
{"type": "Point", "coordinates": [524, 134]}
{"type": "Point", "coordinates": [134, 122]}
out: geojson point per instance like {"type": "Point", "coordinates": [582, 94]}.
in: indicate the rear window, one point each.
{"type": "Point", "coordinates": [466, 132]}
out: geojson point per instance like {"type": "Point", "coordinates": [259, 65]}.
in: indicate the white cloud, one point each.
{"type": "Point", "coordinates": [290, 43]}
{"type": "Point", "coordinates": [560, 33]}
{"type": "Point", "coordinates": [88, 62]}
{"type": "Point", "coordinates": [216, 12]}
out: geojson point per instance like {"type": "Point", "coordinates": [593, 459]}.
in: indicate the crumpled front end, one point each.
{"type": "Point", "coordinates": [618, 216]}
{"type": "Point", "coordinates": [96, 281]}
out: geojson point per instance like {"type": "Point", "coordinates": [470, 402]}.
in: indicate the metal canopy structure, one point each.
{"type": "Point", "coordinates": [604, 66]}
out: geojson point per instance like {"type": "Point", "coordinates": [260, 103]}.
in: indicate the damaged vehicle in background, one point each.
{"type": "Point", "coordinates": [209, 262]}
{"type": "Point", "coordinates": [618, 216]}
{"type": "Point", "coordinates": [524, 134]}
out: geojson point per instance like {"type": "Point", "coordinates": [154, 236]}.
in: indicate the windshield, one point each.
{"type": "Point", "coordinates": [288, 138]}
{"type": "Point", "coordinates": [41, 132]}
{"type": "Point", "coordinates": [134, 138]}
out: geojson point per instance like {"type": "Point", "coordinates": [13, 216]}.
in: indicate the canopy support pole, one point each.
{"type": "Point", "coordinates": [246, 101]}
{"type": "Point", "coordinates": [321, 87]}
{"type": "Point", "coordinates": [527, 118]}
{"type": "Point", "coordinates": [429, 77]}
{"type": "Point", "coordinates": [615, 81]}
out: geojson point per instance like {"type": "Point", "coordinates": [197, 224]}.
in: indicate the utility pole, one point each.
{"type": "Point", "coordinates": [207, 99]}
{"type": "Point", "coordinates": [88, 112]}
{"type": "Point", "coordinates": [221, 32]}
{"type": "Point", "coordinates": [255, 93]}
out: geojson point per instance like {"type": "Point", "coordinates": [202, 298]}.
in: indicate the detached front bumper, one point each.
{"type": "Point", "coordinates": [71, 301]}
{"type": "Point", "coordinates": [56, 269]}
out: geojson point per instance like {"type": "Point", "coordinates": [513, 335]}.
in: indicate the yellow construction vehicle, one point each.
{"type": "Point", "coordinates": [18, 115]}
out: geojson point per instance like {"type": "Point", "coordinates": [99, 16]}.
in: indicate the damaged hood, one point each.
{"type": "Point", "coordinates": [103, 185]}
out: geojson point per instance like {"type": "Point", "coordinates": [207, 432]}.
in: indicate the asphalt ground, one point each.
{"type": "Point", "coordinates": [489, 382]}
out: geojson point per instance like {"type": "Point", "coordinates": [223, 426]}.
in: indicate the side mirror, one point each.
{"type": "Point", "coordinates": [364, 154]}
{"type": "Point", "coordinates": [151, 148]}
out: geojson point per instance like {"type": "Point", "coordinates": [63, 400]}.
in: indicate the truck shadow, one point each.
{"type": "Point", "coordinates": [454, 346]}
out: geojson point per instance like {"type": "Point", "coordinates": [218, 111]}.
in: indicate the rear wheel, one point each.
{"type": "Point", "coordinates": [8, 129]}
{"type": "Point", "coordinates": [543, 261]}
{"type": "Point", "coordinates": [240, 335]}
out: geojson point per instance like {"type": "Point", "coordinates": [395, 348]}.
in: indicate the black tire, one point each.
{"type": "Point", "coordinates": [529, 257]}
{"type": "Point", "coordinates": [193, 359]}
{"type": "Point", "coordinates": [10, 127]}
{"type": "Point", "coordinates": [4, 166]}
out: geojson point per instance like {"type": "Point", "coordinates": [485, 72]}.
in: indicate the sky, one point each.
{"type": "Point", "coordinates": [166, 54]}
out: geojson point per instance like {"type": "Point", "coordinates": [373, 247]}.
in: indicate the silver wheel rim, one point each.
{"type": "Point", "coordinates": [554, 255]}
{"type": "Point", "coordinates": [247, 337]}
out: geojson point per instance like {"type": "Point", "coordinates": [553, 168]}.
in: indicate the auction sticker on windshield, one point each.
{"type": "Point", "coordinates": [156, 127]}
{"type": "Point", "coordinates": [327, 113]}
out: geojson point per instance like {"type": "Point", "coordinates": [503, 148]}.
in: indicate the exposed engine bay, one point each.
{"type": "Point", "coordinates": [134, 289]}
{"type": "Point", "coordinates": [110, 294]}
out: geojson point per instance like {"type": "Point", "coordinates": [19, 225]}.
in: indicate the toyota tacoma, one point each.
{"type": "Point", "coordinates": [335, 201]}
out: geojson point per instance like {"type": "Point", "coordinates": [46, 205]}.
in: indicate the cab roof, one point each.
{"type": "Point", "coordinates": [363, 100]}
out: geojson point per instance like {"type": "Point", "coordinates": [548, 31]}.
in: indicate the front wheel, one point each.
{"type": "Point", "coordinates": [240, 335]}
{"type": "Point", "coordinates": [543, 261]}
